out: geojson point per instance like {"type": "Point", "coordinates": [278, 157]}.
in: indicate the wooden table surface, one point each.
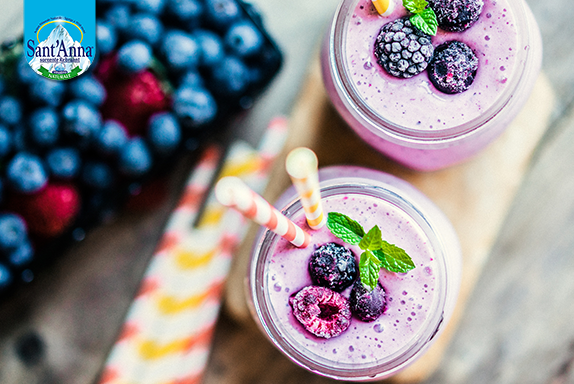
{"type": "Point", "coordinates": [517, 326]}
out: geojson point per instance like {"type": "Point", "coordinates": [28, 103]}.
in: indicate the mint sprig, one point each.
{"type": "Point", "coordinates": [377, 253]}
{"type": "Point", "coordinates": [424, 18]}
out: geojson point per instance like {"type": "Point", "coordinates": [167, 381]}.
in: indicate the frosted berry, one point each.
{"type": "Point", "coordinates": [367, 305]}
{"type": "Point", "coordinates": [333, 266]}
{"type": "Point", "coordinates": [453, 68]}
{"type": "Point", "coordinates": [456, 15]}
{"type": "Point", "coordinates": [321, 311]}
{"type": "Point", "coordinates": [402, 49]}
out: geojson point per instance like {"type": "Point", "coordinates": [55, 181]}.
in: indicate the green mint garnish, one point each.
{"type": "Point", "coordinates": [424, 18]}
{"type": "Point", "coordinates": [377, 252]}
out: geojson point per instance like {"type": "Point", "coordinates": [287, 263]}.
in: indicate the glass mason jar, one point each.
{"type": "Point", "coordinates": [409, 120]}
{"type": "Point", "coordinates": [419, 303]}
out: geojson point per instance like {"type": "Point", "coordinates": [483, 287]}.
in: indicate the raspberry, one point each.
{"type": "Point", "coordinates": [50, 212]}
{"type": "Point", "coordinates": [321, 311]}
{"type": "Point", "coordinates": [367, 305]}
{"type": "Point", "coordinates": [456, 15]}
{"type": "Point", "coordinates": [453, 68]}
{"type": "Point", "coordinates": [402, 49]}
{"type": "Point", "coordinates": [333, 266]}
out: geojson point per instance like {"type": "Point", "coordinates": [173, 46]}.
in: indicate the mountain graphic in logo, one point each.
{"type": "Point", "coordinates": [60, 54]}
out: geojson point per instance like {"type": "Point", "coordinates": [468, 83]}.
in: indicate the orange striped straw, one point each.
{"type": "Point", "coordinates": [232, 192]}
{"type": "Point", "coordinates": [301, 164]}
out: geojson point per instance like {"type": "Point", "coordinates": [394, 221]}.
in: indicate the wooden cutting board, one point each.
{"type": "Point", "coordinates": [475, 195]}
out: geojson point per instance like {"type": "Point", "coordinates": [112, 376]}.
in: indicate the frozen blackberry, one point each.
{"type": "Point", "coordinates": [367, 305]}
{"type": "Point", "coordinates": [321, 311]}
{"type": "Point", "coordinates": [453, 67]}
{"type": "Point", "coordinates": [333, 266]}
{"type": "Point", "coordinates": [456, 15]}
{"type": "Point", "coordinates": [402, 49]}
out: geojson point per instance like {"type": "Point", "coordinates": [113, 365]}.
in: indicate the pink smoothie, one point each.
{"type": "Point", "coordinates": [411, 121]}
{"type": "Point", "coordinates": [419, 302]}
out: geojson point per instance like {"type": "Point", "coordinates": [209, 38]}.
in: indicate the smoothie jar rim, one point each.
{"type": "Point", "coordinates": [349, 94]}
{"type": "Point", "coordinates": [384, 367]}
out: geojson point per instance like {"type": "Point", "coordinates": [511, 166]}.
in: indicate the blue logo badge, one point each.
{"type": "Point", "coordinates": [60, 47]}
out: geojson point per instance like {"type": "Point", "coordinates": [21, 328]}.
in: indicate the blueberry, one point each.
{"type": "Point", "coordinates": [244, 39]}
{"type": "Point", "coordinates": [222, 12]}
{"type": "Point", "coordinates": [323, 312]}
{"type": "Point", "coordinates": [19, 142]}
{"type": "Point", "coordinates": [13, 231]}
{"type": "Point", "coordinates": [453, 67]}
{"type": "Point", "coordinates": [152, 6]}
{"type": "Point", "coordinates": [25, 74]}
{"type": "Point", "coordinates": [135, 158]}
{"type": "Point", "coordinates": [191, 79]}
{"type": "Point", "coordinates": [88, 88]}
{"type": "Point", "coordinates": [164, 132]}
{"type": "Point", "coordinates": [22, 255]}
{"type": "Point", "coordinates": [6, 141]}
{"type": "Point", "coordinates": [10, 110]}
{"type": "Point", "coordinates": [367, 305]}
{"type": "Point", "coordinates": [81, 121]}
{"type": "Point", "coordinates": [111, 138]}
{"type": "Point", "coordinates": [188, 11]}
{"type": "Point", "coordinates": [134, 56]}
{"type": "Point", "coordinates": [230, 77]}
{"type": "Point", "coordinates": [212, 50]}
{"type": "Point", "coordinates": [146, 27]}
{"type": "Point", "coordinates": [119, 16]}
{"type": "Point", "coordinates": [195, 106]}
{"type": "Point", "coordinates": [333, 266]}
{"type": "Point", "coordinates": [25, 173]}
{"type": "Point", "coordinates": [180, 50]}
{"type": "Point", "coordinates": [5, 277]}
{"type": "Point", "coordinates": [44, 126]}
{"type": "Point", "coordinates": [106, 37]}
{"type": "Point", "coordinates": [63, 163]}
{"type": "Point", "coordinates": [97, 175]}
{"type": "Point", "coordinates": [46, 91]}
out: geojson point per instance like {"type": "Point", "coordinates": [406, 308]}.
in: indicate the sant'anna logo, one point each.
{"type": "Point", "coordinates": [59, 47]}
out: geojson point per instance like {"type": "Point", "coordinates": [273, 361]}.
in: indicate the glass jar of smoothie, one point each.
{"type": "Point", "coordinates": [418, 303]}
{"type": "Point", "coordinates": [410, 120]}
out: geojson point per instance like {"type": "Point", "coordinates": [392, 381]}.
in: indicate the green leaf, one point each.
{"type": "Point", "coordinates": [372, 240]}
{"type": "Point", "coordinates": [345, 228]}
{"type": "Point", "coordinates": [369, 268]}
{"type": "Point", "coordinates": [393, 258]}
{"type": "Point", "coordinates": [425, 21]}
{"type": "Point", "coordinates": [415, 6]}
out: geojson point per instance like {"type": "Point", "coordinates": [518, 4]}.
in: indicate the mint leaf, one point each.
{"type": "Point", "coordinates": [369, 268]}
{"type": "Point", "coordinates": [415, 6]}
{"type": "Point", "coordinates": [393, 258]}
{"type": "Point", "coordinates": [345, 228]}
{"type": "Point", "coordinates": [426, 21]}
{"type": "Point", "coordinates": [372, 240]}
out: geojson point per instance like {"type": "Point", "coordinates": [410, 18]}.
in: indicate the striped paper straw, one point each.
{"type": "Point", "coordinates": [301, 164]}
{"type": "Point", "coordinates": [232, 192]}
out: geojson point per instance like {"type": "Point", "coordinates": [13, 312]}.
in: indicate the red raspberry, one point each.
{"type": "Point", "coordinates": [51, 211]}
{"type": "Point", "coordinates": [323, 312]}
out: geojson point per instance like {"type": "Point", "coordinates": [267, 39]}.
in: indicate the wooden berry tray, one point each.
{"type": "Point", "coordinates": [475, 195]}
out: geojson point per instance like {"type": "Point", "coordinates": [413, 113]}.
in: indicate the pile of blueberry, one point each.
{"type": "Point", "coordinates": [167, 75]}
{"type": "Point", "coordinates": [405, 51]}
{"type": "Point", "coordinates": [322, 308]}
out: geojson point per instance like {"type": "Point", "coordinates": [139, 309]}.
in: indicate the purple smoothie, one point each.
{"type": "Point", "coordinates": [416, 301]}
{"type": "Point", "coordinates": [411, 121]}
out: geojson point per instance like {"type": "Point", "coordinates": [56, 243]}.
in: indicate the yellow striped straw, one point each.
{"type": "Point", "coordinates": [301, 164]}
{"type": "Point", "coordinates": [384, 7]}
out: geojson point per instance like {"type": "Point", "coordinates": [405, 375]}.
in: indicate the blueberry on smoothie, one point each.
{"type": "Point", "coordinates": [456, 15]}
{"type": "Point", "coordinates": [453, 68]}
{"type": "Point", "coordinates": [402, 49]}
{"type": "Point", "coordinates": [321, 311]}
{"type": "Point", "coordinates": [333, 266]}
{"type": "Point", "coordinates": [367, 305]}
